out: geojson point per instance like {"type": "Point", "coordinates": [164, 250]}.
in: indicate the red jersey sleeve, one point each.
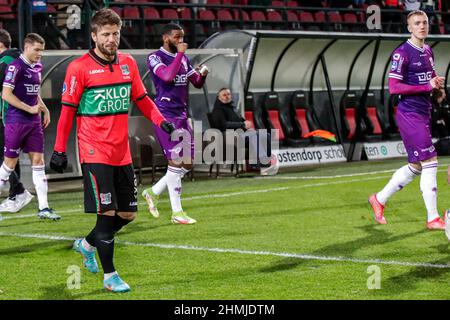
{"type": "Point", "coordinates": [73, 86]}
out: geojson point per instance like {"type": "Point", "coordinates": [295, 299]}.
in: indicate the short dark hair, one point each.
{"type": "Point", "coordinates": [32, 38]}
{"type": "Point", "coordinates": [103, 17]}
{"type": "Point", "coordinates": [221, 89]}
{"type": "Point", "coordinates": [5, 38]}
{"type": "Point", "coordinates": [167, 29]}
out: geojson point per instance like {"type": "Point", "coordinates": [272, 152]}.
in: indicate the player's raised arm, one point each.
{"type": "Point", "coordinates": [145, 104]}
{"type": "Point", "coordinates": [166, 73]}
{"type": "Point", "coordinates": [197, 77]}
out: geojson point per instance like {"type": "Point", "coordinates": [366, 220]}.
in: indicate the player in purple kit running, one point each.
{"type": "Point", "coordinates": [23, 126]}
{"type": "Point", "coordinates": [171, 71]}
{"type": "Point", "coordinates": [413, 77]}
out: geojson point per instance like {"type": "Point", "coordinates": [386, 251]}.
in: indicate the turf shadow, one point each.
{"type": "Point", "coordinates": [28, 248]}
{"type": "Point", "coordinates": [408, 281]}
{"type": "Point", "coordinates": [376, 236]}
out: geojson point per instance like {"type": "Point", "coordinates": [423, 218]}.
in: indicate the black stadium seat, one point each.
{"type": "Point", "coordinates": [302, 118]}
{"type": "Point", "coordinates": [376, 125]}
{"type": "Point", "coordinates": [271, 104]}
{"type": "Point", "coordinates": [259, 113]}
{"type": "Point", "coordinates": [348, 112]}
{"type": "Point", "coordinates": [287, 121]}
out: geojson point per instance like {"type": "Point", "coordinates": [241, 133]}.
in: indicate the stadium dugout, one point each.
{"type": "Point", "coordinates": [342, 78]}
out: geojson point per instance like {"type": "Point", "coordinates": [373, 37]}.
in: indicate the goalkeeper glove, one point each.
{"type": "Point", "coordinates": [58, 161]}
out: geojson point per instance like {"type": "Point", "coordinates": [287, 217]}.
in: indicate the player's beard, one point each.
{"type": "Point", "coordinates": [110, 53]}
{"type": "Point", "coordinates": [173, 47]}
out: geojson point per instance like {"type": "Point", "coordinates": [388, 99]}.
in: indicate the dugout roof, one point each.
{"type": "Point", "coordinates": [291, 60]}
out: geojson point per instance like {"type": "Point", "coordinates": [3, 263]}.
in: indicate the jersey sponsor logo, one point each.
{"type": "Point", "coordinates": [106, 100]}
{"type": "Point", "coordinates": [396, 56]}
{"type": "Point", "coordinates": [153, 60]}
{"type": "Point", "coordinates": [125, 70]}
{"type": "Point", "coordinates": [11, 68]}
{"type": "Point", "coordinates": [32, 88]}
{"type": "Point", "coordinates": [133, 204]}
{"type": "Point", "coordinates": [96, 71]}
{"type": "Point", "coordinates": [180, 80]}
{"type": "Point", "coordinates": [64, 88]}
{"type": "Point", "coordinates": [424, 77]}
{"type": "Point", "coordinates": [73, 85]}
{"type": "Point", "coordinates": [105, 198]}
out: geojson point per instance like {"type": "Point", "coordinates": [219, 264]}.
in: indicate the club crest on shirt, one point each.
{"type": "Point", "coordinates": [125, 69]}
{"type": "Point", "coordinates": [153, 60]}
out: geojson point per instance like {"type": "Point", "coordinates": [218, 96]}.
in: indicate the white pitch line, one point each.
{"type": "Point", "coordinates": [240, 193]}
{"type": "Point", "coordinates": [244, 252]}
{"type": "Point", "coordinates": [220, 195]}
{"type": "Point", "coordinates": [333, 177]}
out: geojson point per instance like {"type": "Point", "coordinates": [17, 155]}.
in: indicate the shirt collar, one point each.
{"type": "Point", "coordinates": [167, 52]}
{"type": "Point", "coordinates": [22, 57]}
{"type": "Point", "coordinates": [416, 47]}
{"type": "Point", "coordinates": [102, 61]}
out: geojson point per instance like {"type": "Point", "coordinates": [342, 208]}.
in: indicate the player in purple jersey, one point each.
{"type": "Point", "coordinates": [23, 127]}
{"type": "Point", "coordinates": [18, 197]}
{"type": "Point", "coordinates": [413, 77]}
{"type": "Point", "coordinates": [171, 72]}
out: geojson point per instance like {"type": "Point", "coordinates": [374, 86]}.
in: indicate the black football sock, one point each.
{"type": "Point", "coordinates": [90, 238]}
{"type": "Point", "coordinates": [104, 241]}
{"type": "Point", "coordinates": [120, 222]}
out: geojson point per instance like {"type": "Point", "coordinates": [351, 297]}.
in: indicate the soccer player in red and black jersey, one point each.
{"type": "Point", "coordinates": [97, 89]}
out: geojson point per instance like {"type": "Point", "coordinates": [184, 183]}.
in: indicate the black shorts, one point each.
{"type": "Point", "coordinates": [109, 188]}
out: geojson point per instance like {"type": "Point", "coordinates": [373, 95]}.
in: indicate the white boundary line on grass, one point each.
{"type": "Point", "coordinates": [245, 252]}
{"type": "Point", "coordinates": [211, 196]}
{"type": "Point", "coordinates": [338, 176]}
{"type": "Point", "coordinates": [240, 193]}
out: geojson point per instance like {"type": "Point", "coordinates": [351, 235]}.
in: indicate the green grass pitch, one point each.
{"type": "Point", "coordinates": [300, 235]}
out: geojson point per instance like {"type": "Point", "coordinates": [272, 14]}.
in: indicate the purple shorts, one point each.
{"type": "Point", "coordinates": [174, 149]}
{"type": "Point", "coordinates": [416, 135]}
{"type": "Point", "coordinates": [28, 137]}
